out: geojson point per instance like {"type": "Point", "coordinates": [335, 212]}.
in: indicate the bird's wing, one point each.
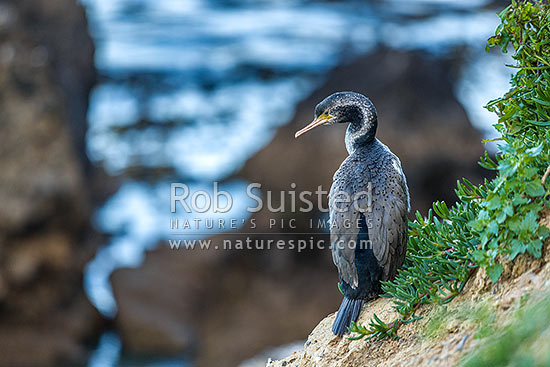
{"type": "Point", "coordinates": [385, 211]}
{"type": "Point", "coordinates": [344, 217]}
{"type": "Point", "coordinates": [387, 221]}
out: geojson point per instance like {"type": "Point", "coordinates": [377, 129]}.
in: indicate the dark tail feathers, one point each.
{"type": "Point", "coordinates": [348, 313]}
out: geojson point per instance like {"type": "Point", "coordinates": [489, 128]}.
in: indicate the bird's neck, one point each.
{"type": "Point", "coordinates": [361, 132]}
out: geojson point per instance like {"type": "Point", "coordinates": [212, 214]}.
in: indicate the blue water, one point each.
{"type": "Point", "coordinates": [190, 89]}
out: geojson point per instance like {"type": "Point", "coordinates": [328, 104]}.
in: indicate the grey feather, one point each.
{"type": "Point", "coordinates": [387, 214]}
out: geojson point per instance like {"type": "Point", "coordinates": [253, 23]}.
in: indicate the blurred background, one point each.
{"type": "Point", "coordinates": [104, 103]}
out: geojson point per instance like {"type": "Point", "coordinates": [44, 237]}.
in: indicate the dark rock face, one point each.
{"type": "Point", "coordinates": [240, 302]}
{"type": "Point", "coordinates": [226, 300]}
{"type": "Point", "coordinates": [46, 72]}
{"type": "Point", "coordinates": [60, 27]}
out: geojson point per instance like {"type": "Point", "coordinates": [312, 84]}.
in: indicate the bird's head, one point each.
{"type": "Point", "coordinates": [345, 107]}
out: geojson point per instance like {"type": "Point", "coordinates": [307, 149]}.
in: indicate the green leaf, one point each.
{"type": "Point", "coordinates": [544, 231]}
{"type": "Point", "coordinates": [530, 223]}
{"type": "Point", "coordinates": [518, 200]}
{"type": "Point", "coordinates": [535, 151]}
{"type": "Point", "coordinates": [507, 167]}
{"type": "Point", "coordinates": [493, 227]}
{"type": "Point", "coordinates": [515, 224]}
{"type": "Point", "coordinates": [517, 247]}
{"type": "Point", "coordinates": [486, 161]}
{"type": "Point", "coordinates": [535, 248]}
{"type": "Point", "coordinates": [494, 271]}
{"type": "Point", "coordinates": [508, 209]}
{"type": "Point", "coordinates": [493, 41]}
{"type": "Point", "coordinates": [476, 225]}
{"type": "Point", "coordinates": [534, 188]}
{"type": "Point", "coordinates": [531, 171]}
{"type": "Point", "coordinates": [493, 203]}
{"type": "Point", "coordinates": [501, 217]}
{"type": "Point", "coordinates": [539, 101]}
{"type": "Point", "coordinates": [539, 123]}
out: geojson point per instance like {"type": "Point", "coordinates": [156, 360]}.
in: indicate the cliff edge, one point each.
{"type": "Point", "coordinates": [445, 334]}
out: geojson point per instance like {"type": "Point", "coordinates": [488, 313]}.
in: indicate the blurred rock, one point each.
{"type": "Point", "coordinates": [240, 302]}
{"type": "Point", "coordinates": [144, 311]}
{"type": "Point", "coordinates": [46, 73]}
{"type": "Point", "coordinates": [232, 308]}
{"type": "Point", "coordinates": [58, 26]}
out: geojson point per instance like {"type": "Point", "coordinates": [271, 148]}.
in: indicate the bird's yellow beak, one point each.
{"type": "Point", "coordinates": [321, 120]}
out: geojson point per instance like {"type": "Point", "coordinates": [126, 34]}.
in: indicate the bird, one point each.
{"type": "Point", "coordinates": [369, 205]}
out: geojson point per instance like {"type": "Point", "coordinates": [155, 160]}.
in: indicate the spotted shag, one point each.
{"type": "Point", "coordinates": [369, 205]}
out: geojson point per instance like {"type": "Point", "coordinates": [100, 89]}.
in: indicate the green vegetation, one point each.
{"type": "Point", "coordinates": [522, 343]}
{"type": "Point", "coordinates": [508, 223]}
{"type": "Point", "coordinates": [480, 315]}
{"type": "Point", "coordinates": [494, 222]}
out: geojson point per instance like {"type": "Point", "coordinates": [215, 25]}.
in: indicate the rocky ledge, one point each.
{"type": "Point", "coordinates": [444, 335]}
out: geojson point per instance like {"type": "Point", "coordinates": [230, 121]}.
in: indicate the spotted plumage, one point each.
{"type": "Point", "coordinates": [369, 191]}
